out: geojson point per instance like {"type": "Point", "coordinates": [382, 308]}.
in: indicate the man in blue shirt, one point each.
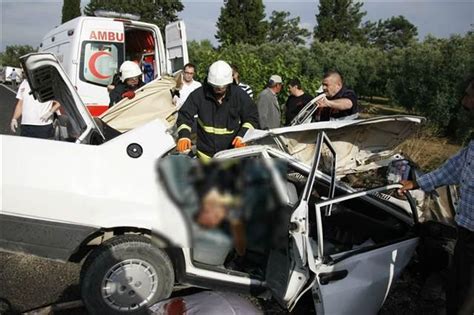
{"type": "Point", "coordinates": [458, 170]}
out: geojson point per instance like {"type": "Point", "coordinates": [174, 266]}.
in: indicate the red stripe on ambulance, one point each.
{"type": "Point", "coordinates": [96, 109]}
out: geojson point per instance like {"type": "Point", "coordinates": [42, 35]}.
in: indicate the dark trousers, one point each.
{"type": "Point", "coordinates": [44, 132]}
{"type": "Point", "coordinates": [460, 293]}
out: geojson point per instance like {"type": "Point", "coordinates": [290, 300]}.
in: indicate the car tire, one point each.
{"type": "Point", "coordinates": [125, 275]}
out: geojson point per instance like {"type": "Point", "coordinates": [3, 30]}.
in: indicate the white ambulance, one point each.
{"type": "Point", "coordinates": [91, 50]}
{"type": "Point", "coordinates": [5, 74]}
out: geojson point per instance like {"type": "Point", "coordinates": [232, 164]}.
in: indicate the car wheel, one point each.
{"type": "Point", "coordinates": [126, 274]}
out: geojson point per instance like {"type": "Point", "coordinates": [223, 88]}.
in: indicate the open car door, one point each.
{"type": "Point", "coordinates": [49, 82]}
{"type": "Point", "coordinates": [356, 245]}
{"type": "Point", "coordinates": [176, 47]}
{"type": "Point", "coordinates": [286, 275]}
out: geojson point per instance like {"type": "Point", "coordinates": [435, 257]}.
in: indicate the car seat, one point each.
{"type": "Point", "coordinates": [210, 246]}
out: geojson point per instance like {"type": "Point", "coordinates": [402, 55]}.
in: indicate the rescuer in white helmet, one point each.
{"type": "Point", "coordinates": [224, 114]}
{"type": "Point", "coordinates": [131, 80]}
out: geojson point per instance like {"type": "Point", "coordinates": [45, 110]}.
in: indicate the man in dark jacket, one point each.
{"type": "Point", "coordinates": [340, 102]}
{"type": "Point", "coordinates": [224, 114]}
{"type": "Point", "coordinates": [296, 101]}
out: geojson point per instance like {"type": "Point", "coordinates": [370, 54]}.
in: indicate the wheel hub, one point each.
{"type": "Point", "coordinates": [129, 284]}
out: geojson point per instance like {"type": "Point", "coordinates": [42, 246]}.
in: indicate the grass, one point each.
{"type": "Point", "coordinates": [428, 150]}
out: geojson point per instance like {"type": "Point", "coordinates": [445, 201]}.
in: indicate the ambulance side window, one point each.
{"type": "Point", "coordinates": [100, 61]}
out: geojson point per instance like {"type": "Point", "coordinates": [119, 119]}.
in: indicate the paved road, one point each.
{"type": "Point", "coordinates": [7, 105]}
{"type": "Point", "coordinates": [28, 282]}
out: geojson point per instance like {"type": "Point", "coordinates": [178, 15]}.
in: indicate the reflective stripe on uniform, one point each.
{"type": "Point", "coordinates": [203, 157]}
{"type": "Point", "coordinates": [248, 125]}
{"type": "Point", "coordinates": [214, 130]}
{"type": "Point", "coordinates": [184, 126]}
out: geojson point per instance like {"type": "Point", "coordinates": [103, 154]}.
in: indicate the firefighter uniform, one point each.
{"type": "Point", "coordinates": [217, 124]}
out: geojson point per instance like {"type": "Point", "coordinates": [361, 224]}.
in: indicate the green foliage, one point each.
{"type": "Point", "coordinates": [202, 54]}
{"type": "Point", "coordinates": [428, 78]}
{"type": "Point", "coordinates": [159, 12]}
{"type": "Point", "coordinates": [391, 33]}
{"type": "Point", "coordinates": [71, 10]}
{"type": "Point", "coordinates": [257, 63]}
{"type": "Point", "coordinates": [11, 55]}
{"type": "Point", "coordinates": [241, 21]}
{"type": "Point", "coordinates": [283, 29]}
{"type": "Point", "coordinates": [361, 67]}
{"type": "Point", "coordinates": [424, 78]}
{"type": "Point", "coordinates": [339, 20]}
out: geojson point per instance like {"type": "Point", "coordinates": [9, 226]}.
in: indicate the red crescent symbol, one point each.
{"type": "Point", "coordinates": [92, 62]}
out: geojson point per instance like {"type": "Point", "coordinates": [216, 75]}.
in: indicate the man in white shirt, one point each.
{"type": "Point", "coordinates": [36, 117]}
{"type": "Point", "coordinates": [189, 85]}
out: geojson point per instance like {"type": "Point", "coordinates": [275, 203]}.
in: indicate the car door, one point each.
{"type": "Point", "coordinates": [48, 82]}
{"type": "Point", "coordinates": [176, 46]}
{"type": "Point", "coordinates": [286, 275]}
{"type": "Point", "coordinates": [355, 254]}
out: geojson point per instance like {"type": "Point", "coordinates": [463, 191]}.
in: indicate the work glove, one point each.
{"type": "Point", "coordinates": [128, 94]}
{"type": "Point", "coordinates": [46, 115]}
{"type": "Point", "coordinates": [237, 143]}
{"type": "Point", "coordinates": [13, 125]}
{"type": "Point", "coordinates": [175, 100]}
{"type": "Point", "coordinates": [183, 145]}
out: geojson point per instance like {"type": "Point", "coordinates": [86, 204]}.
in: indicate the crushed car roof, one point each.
{"type": "Point", "coordinates": [360, 144]}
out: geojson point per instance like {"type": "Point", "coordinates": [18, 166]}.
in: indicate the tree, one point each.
{"type": "Point", "coordinates": [12, 54]}
{"type": "Point", "coordinates": [427, 78]}
{"type": "Point", "coordinates": [282, 29]}
{"type": "Point", "coordinates": [339, 19]}
{"type": "Point", "coordinates": [394, 32]}
{"type": "Point", "coordinates": [202, 54]}
{"type": "Point", "coordinates": [241, 22]}
{"type": "Point", "coordinates": [71, 10]}
{"type": "Point", "coordinates": [159, 12]}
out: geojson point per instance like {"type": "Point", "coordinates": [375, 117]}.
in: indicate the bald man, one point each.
{"type": "Point", "coordinates": [340, 102]}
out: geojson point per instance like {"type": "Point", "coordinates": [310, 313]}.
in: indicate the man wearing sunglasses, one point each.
{"type": "Point", "coordinates": [224, 114]}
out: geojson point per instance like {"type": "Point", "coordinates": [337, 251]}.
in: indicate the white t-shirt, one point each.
{"type": "Point", "coordinates": [32, 109]}
{"type": "Point", "coordinates": [13, 75]}
{"type": "Point", "coordinates": [186, 90]}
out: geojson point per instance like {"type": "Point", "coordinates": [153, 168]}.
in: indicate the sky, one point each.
{"type": "Point", "coordinates": [25, 22]}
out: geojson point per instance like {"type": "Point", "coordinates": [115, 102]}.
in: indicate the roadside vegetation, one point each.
{"type": "Point", "coordinates": [391, 70]}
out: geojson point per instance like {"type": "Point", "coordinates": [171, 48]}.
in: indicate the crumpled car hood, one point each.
{"type": "Point", "coordinates": [360, 144]}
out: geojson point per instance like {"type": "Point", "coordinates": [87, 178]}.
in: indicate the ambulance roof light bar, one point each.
{"type": "Point", "coordinates": [113, 14]}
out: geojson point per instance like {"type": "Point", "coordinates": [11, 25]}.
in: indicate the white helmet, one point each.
{"type": "Point", "coordinates": [220, 74]}
{"type": "Point", "coordinates": [129, 69]}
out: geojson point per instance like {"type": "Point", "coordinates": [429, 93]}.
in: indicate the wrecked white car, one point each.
{"type": "Point", "coordinates": [119, 204]}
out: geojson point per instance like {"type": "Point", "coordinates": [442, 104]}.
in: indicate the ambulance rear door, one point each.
{"type": "Point", "coordinates": [176, 47]}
